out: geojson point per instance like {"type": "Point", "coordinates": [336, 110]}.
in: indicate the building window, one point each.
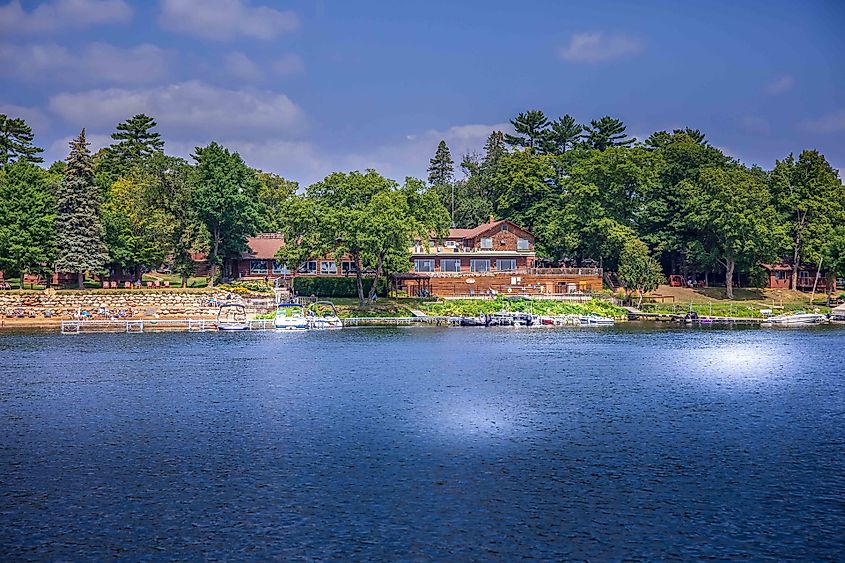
{"type": "Point", "coordinates": [504, 227]}
{"type": "Point", "coordinates": [522, 244]}
{"type": "Point", "coordinates": [328, 267]}
{"type": "Point", "coordinates": [348, 267]}
{"type": "Point", "coordinates": [506, 264]}
{"type": "Point", "coordinates": [450, 243]}
{"type": "Point", "coordinates": [479, 265]}
{"type": "Point", "coordinates": [780, 275]}
{"type": "Point", "coordinates": [309, 267]}
{"type": "Point", "coordinates": [423, 265]}
{"type": "Point", "coordinates": [279, 268]}
{"type": "Point", "coordinates": [258, 267]}
{"type": "Point", "coordinates": [486, 243]}
{"type": "Point", "coordinates": [450, 265]}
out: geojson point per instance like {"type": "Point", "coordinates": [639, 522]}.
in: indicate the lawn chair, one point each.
{"type": "Point", "coordinates": [167, 284]}
{"type": "Point", "coordinates": [114, 285]}
{"type": "Point", "coordinates": [149, 285]}
{"type": "Point", "coordinates": [105, 285]}
{"type": "Point", "coordinates": [158, 284]}
{"type": "Point", "coordinates": [127, 285]}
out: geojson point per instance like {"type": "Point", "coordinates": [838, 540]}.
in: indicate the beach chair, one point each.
{"type": "Point", "coordinates": [158, 284]}
{"type": "Point", "coordinates": [105, 285]}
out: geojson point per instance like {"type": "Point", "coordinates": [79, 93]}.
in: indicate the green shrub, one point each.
{"type": "Point", "coordinates": [460, 308]}
{"type": "Point", "coordinates": [334, 287]}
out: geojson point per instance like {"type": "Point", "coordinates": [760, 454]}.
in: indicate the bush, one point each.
{"type": "Point", "coordinates": [334, 287]}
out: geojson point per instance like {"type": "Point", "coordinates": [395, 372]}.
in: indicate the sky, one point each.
{"type": "Point", "coordinates": [303, 88]}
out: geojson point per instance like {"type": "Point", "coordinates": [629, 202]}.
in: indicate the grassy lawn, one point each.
{"type": "Point", "coordinates": [747, 302]}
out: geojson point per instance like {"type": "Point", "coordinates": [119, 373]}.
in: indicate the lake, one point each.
{"type": "Point", "coordinates": [424, 443]}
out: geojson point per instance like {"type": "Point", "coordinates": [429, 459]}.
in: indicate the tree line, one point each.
{"type": "Point", "coordinates": [670, 204]}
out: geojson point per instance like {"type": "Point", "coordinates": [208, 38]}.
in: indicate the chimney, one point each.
{"type": "Point", "coordinates": [492, 219]}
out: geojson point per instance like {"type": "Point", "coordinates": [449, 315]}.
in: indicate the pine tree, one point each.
{"type": "Point", "coordinates": [607, 132]}
{"type": "Point", "coordinates": [494, 149]}
{"type": "Point", "coordinates": [136, 142]}
{"type": "Point", "coordinates": [532, 127]}
{"type": "Point", "coordinates": [441, 171]}
{"type": "Point", "coordinates": [16, 141]}
{"type": "Point", "coordinates": [79, 232]}
{"type": "Point", "coordinates": [563, 134]}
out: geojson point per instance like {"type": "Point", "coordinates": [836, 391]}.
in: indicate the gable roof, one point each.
{"type": "Point", "coordinates": [483, 228]}
{"type": "Point", "coordinates": [263, 246]}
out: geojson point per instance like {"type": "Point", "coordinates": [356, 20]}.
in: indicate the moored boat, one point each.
{"type": "Point", "coordinates": [290, 316]}
{"type": "Point", "coordinates": [323, 315]}
{"type": "Point", "coordinates": [595, 320]}
{"type": "Point", "coordinates": [799, 318]}
{"type": "Point", "coordinates": [232, 316]}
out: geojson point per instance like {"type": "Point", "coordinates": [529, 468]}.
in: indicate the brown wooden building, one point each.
{"type": "Point", "coordinates": [780, 275]}
{"type": "Point", "coordinates": [497, 257]}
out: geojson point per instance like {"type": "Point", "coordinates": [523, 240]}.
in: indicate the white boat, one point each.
{"type": "Point", "coordinates": [290, 316]}
{"type": "Point", "coordinates": [232, 316]}
{"type": "Point", "coordinates": [799, 318]}
{"type": "Point", "coordinates": [323, 315]}
{"type": "Point", "coordinates": [595, 320]}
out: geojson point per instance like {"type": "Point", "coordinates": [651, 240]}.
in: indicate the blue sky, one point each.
{"type": "Point", "coordinates": [306, 87]}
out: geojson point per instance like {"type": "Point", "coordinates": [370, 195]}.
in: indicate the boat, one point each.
{"type": "Point", "coordinates": [798, 318]}
{"type": "Point", "coordinates": [595, 320]}
{"type": "Point", "coordinates": [290, 316]}
{"type": "Point", "coordinates": [232, 316]}
{"type": "Point", "coordinates": [507, 318]}
{"type": "Point", "coordinates": [323, 315]}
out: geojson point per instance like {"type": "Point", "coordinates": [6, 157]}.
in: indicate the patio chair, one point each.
{"type": "Point", "coordinates": [127, 285]}
{"type": "Point", "coordinates": [149, 284]}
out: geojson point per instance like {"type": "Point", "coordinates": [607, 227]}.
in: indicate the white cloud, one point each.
{"type": "Point", "coordinates": [830, 123]}
{"type": "Point", "coordinates": [242, 67]}
{"type": "Point", "coordinates": [185, 108]}
{"type": "Point", "coordinates": [288, 64]}
{"type": "Point", "coordinates": [755, 125]}
{"type": "Point", "coordinates": [62, 14]}
{"type": "Point", "coordinates": [34, 117]}
{"type": "Point", "coordinates": [599, 47]}
{"type": "Point", "coordinates": [224, 20]}
{"type": "Point", "coordinates": [780, 85]}
{"type": "Point", "coordinates": [94, 62]}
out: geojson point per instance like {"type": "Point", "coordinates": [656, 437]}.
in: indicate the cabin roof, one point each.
{"type": "Point", "coordinates": [263, 246]}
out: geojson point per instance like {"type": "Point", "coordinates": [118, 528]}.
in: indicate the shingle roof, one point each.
{"type": "Point", "coordinates": [263, 247]}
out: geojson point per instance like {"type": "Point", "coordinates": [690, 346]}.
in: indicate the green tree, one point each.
{"type": "Point", "coordinates": [732, 207]}
{"type": "Point", "coordinates": [834, 257]}
{"type": "Point", "coordinates": [494, 150]}
{"type": "Point", "coordinates": [135, 143]}
{"type": "Point", "coordinates": [531, 128]}
{"type": "Point", "coordinates": [79, 232]}
{"type": "Point", "coordinates": [225, 195]}
{"type": "Point", "coordinates": [364, 216]}
{"type": "Point", "coordinates": [607, 132]}
{"type": "Point", "coordinates": [638, 270]}
{"type": "Point", "coordinates": [441, 170]}
{"type": "Point", "coordinates": [810, 199]}
{"type": "Point", "coordinates": [563, 134]}
{"type": "Point", "coordinates": [16, 141]}
{"type": "Point", "coordinates": [27, 219]}
{"type": "Point", "coordinates": [274, 193]}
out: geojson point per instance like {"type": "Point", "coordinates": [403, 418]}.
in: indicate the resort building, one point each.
{"type": "Point", "coordinates": [497, 257]}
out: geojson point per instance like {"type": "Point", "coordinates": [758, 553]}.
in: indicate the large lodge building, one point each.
{"type": "Point", "coordinates": [494, 258]}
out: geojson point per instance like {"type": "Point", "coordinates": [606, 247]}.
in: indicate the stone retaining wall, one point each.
{"type": "Point", "coordinates": [173, 303]}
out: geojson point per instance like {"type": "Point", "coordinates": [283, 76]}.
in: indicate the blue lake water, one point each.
{"type": "Point", "coordinates": [424, 443]}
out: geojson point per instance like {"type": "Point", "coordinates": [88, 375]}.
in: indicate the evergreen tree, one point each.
{"type": "Point", "coordinates": [494, 150]}
{"type": "Point", "coordinates": [135, 142]}
{"type": "Point", "coordinates": [79, 232]}
{"type": "Point", "coordinates": [563, 135]}
{"type": "Point", "coordinates": [441, 171]}
{"type": "Point", "coordinates": [531, 128]}
{"type": "Point", "coordinates": [16, 141]}
{"type": "Point", "coordinates": [607, 132]}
